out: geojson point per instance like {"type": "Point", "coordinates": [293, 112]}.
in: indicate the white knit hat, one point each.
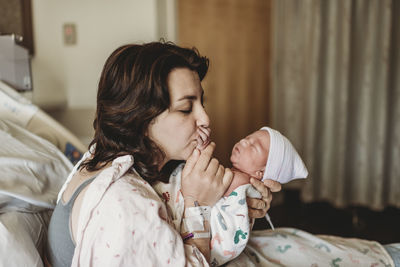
{"type": "Point", "coordinates": [284, 163]}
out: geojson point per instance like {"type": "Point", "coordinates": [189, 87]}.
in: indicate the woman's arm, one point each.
{"type": "Point", "coordinates": [204, 182]}
{"type": "Point", "coordinates": [199, 236]}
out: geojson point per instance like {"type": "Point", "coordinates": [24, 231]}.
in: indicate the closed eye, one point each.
{"type": "Point", "coordinates": [186, 111]}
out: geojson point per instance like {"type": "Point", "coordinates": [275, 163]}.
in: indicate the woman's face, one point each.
{"type": "Point", "coordinates": [175, 130]}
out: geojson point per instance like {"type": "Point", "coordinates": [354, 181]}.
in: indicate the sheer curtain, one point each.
{"type": "Point", "coordinates": [336, 95]}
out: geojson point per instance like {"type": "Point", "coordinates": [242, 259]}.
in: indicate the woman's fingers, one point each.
{"type": "Point", "coordinates": [213, 166]}
{"type": "Point", "coordinates": [205, 131]}
{"type": "Point", "coordinates": [256, 213]}
{"type": "Point", "coordinates": [257, 207]}
{"type": "Point", "coordinates": [204, 137]}
{"type": "Point", "coordinates": [256, 203]}
{"type": "Point", "coordinates": [274, 186]}
{"type": "Point", "coordinates": [205, 157]}
{"type": "Point", "coordinates": [260, 186]}
{"type": "Point", "coordinates": [191, 162]}
{"type": "Point", "coordinates": [220, 171]}
{"type": "Point", "coordinates": [266, 194]}
{"type": "Point", "coordinates": [227, 179]}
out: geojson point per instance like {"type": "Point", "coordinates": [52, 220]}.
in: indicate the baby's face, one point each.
{"type": "Point", "coordinates": [250, 154]}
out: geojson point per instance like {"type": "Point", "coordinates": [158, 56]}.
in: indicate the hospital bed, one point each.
{"type": "Point", "coordinates": [36, 155]}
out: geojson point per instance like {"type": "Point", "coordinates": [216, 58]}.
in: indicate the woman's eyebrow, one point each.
{"type": "Point", "coordinates": [187, 97]}
{"type": "Point", "coordinates": [191, 97]}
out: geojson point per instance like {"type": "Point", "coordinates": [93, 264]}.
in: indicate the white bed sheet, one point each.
{"type": "Point", "coordinates": [22, 238]}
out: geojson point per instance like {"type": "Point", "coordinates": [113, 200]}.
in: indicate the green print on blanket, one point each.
{"type": "Point", "coordinates": [242, 201]}
{"type": "Point", "coordinates": [233, 193]}
{"type": "Point", "coordinates": [221, 221]}
{"type": "Point", "coordinates": [239, 233]}
{"type": "Point", "coordinates": [283, 250]}
{"type": "Point", "coordinates": [364, 251]}
{"type": "Point", "coordinates": [223, 207]}
{"type": "Point", "coordinates": [335, 261]}
{"type": "Point", "coordinates": [320, 246]}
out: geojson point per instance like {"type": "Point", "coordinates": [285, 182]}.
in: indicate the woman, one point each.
{"type": "Point", "coordinates": [149, 115]}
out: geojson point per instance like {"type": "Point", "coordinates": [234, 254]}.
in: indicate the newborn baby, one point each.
{"type": "Point", "coordinates": [265, 154]}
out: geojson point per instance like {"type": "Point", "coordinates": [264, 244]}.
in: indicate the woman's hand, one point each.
{"type": "Point", "coordinates": [203, 179]}
{"type": "Point", "coordinates": [259, 207]}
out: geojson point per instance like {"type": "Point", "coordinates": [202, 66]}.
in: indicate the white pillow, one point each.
{"type": "Point", "coordinates": [32, 170]}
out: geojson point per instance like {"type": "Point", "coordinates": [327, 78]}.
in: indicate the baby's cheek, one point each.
{"type": "Point", "coordinates": [245, 165]}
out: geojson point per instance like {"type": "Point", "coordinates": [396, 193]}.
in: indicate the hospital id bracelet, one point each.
{"type": "Point", "coordinates": [195, 218]}
{"type": "Point", "coordinates": [201, 235]}
{"type": "Point", "coordinates": [187, 237]}
{"type": "Point", "coordinates": [196, 235]}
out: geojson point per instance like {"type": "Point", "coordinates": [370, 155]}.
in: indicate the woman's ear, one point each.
{"type": "Point", "coordinates": [259, 174]}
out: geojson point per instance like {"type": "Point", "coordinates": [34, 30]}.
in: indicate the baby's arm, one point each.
{"type": "Point", "coordinates": [239, 178]}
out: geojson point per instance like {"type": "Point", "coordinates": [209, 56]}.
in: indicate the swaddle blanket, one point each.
{"type": "Point", "coordinates": [229, 220]}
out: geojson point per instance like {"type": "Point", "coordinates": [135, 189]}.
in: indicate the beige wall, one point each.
{"type": "Point", "coordinates": [65, 77]}
{"type": "Point", "coordinates": [68, 75]}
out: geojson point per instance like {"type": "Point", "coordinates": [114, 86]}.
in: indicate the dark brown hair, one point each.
{"type": "Point", "coordinates": [132, 92]}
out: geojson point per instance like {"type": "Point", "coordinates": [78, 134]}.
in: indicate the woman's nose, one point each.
{"type": "Point", "coordinates": [203, 119]}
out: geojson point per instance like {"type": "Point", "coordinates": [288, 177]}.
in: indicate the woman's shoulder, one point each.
{"type": "Point", "coordinates": [134, 193]}
{"type": "Point", "coordinates": [117, 187]}
{"type": "Point", "coordinates": [132, 185]}
{"type": "Point", "coordinates": [129, 198]}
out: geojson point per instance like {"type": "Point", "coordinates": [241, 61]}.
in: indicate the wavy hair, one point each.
{"type": "Point", "coordinates": [133, 91]}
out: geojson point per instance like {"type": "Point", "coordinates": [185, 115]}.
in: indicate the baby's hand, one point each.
{"type": "Point", "coordinates": [204, 137]}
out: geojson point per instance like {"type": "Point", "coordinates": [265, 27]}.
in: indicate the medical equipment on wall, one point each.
{"type": "Point", "coordinates": [15, 65]}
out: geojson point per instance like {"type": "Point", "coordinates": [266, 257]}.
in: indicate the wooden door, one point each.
{"type": "Point", "coordinates": [235, 35]}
